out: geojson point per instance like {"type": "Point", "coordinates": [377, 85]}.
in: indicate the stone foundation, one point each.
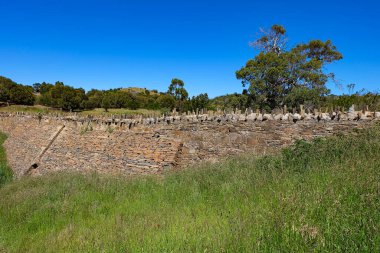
{"type": "Point", "coordinates": [153, 145]}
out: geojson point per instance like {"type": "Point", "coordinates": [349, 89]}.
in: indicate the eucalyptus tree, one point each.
{"type": "Point", "coordinates": [280, 75]}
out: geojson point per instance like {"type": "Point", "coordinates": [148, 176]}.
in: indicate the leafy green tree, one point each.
{"type": "Point", "coordinates": [6, 85]}
{"type": "Point", "coordinates": [132, 101]}
{"type": "Point", "coordinates": [151, 103]}
{"type": "Point", "coordinates": [166, 101]}
{"type": "Point", "coordinates": [276, 71]}
{"type": "Point", "coordinates": [177, 90]}
{"type": "Point", "coordinates": [174, 87]}
{"type": "Point", "coordinates": [64, 97]}
{"type": "Point", "coordinates": [94, 99]}
{"type": "Point", "coordinates": [199, 102]}
{"type": "Point", "coordinates": [14, 93]}
{"type": "Point", "coordinates": [301, 95]}
{"type": "Point", "coordinates": [231, 101]}
{"type": "Point", "coordinates": [106, 101]}
{"type": "Point", "coordinates": [22, 95]}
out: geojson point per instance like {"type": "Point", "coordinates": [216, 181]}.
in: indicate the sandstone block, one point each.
{"type": "Point", "coordinates": [325, 116]}
{"type": "Point", "coordinates": [297, 116]}
{"type": "Point", "coordinates": [343, 117]}
{"type": "Point", "coordinates": [352, 115]}
{"type": "Point", "coordinates": [267, 116]}
{"type": "Point", "coordinates": [278, 116]}
{"type": "Point", "coordinates": [308, 116]}
{"type": "Point", "coordinates": [285, 117]}
{"type": "Point", "coordinates": [366, 116]}
{"type": "Point", "coordinates": [252, 116]}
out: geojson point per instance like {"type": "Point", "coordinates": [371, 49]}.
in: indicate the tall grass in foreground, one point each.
{"type": "Point", "coordinates": [320, 196]}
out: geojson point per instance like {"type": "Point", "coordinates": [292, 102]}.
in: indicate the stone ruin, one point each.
{"type": "Point", "coordinates": [38, 144]}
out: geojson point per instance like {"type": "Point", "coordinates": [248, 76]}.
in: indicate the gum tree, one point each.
{"type": "Point", "coordinates": [177, 90]}
{"type": "Point", "coordinates": [279, 75]}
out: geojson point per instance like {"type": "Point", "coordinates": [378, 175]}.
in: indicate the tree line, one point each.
{"type": "Point", "coordinates": [11, 92]}
{"type": "Point", "coordinates": [68, 98]}
{"type": "Point", "coordinates": [277, 76]}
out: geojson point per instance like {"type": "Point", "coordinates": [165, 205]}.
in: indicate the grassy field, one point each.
{"type": "Point", "coordinates": [29, 109]}
{"type": "Point", "coordinates": [322, 196]}
{"type": "Point", "coordinates": [101, 112]}
{"type": "Point", "coordinates": [96, 112]}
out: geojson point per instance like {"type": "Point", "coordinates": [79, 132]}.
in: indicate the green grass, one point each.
{"type": "Point", "coordinates": [5, 171]}
{"type": "Point", "coordinates": [101, 112]}
{"type": "Point", "coordinates": [96, 112]}
{"type": "Point", "coordinates": [322, 196]}
{"type": "Point", "coordinates": [28, 109]}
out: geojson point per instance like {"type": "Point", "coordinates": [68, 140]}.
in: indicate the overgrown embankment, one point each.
{"type": "Point", "coordinates": [5, 171]}
{"type": "Point", "coordinates": [320, 196]}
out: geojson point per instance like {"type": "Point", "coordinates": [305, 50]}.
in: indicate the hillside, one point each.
{"type": "Point", "coordinates": [320, 196]}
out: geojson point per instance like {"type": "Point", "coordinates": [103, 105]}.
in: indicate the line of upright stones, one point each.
{"type": "Point", "coordinates": [202, 115]}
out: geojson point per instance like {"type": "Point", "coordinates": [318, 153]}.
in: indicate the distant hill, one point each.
{"type": "Point", "coordinates": [138, 90]}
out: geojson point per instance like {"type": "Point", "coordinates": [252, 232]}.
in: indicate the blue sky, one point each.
{"type": "Point", "coordinates": [108, 43]}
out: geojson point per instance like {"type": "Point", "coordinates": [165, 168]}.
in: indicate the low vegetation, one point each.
{"type": "Point", "coordinates": [319, 196]}
{"type": "Point", "coordinates": [5, 171]}
{"type": "Point", "coordinates": [28, 109]}
{"type": "Point", "coordinates": [128, 112]}
{"type": "Point", "coordinates": [95, 112]}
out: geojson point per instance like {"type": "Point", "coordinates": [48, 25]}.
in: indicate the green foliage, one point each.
{"type": "Point", "coordinates": [94, 100]}
{"type": "Point", "coordinates": [199, 102]}
{"type": "Point", "coordinates": [276, 72]}
{"type": "Point", "coordinates": [231, 101]}
{"type": "Point", "coordinates": [120, 99]}
{"type": "Point", "coordinates": [166, 101]}
{"type": "Point", "coordinates": [312, 197]}
{"type": "Point", "coordinates": [11, 92]}
{"type": "Point", "coordinates": [5, 172]}
{"type": "Point", "coordinates": [22, 95]}
{"type": "Point", "coordinates": [106, 101]}
{"type": "Point", "coordinates": [62, 96]}
{"type": "Point", "coordinates": [176, 89]}
{"type": "Point", "coordinates": [68, 98]}
{"type": "Point", "coordinates": [110, 129]}
{"type": "Point", "coordinates": [125, 112]}
{"type": "Point", "coordinates": [372, 100]}
{"type": "Point", "coordinates": [310, 98]}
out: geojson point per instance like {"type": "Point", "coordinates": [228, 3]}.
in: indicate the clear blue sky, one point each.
{"type": "Point", "coordinates": [108, 43]}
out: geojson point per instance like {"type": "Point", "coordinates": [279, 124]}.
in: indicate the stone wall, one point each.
{"type": "Point", "coordinates": [27, 138]}
{"type": "Point", "coordinates": [152, 145]}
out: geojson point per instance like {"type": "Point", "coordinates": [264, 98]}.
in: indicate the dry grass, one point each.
{"type": "Point", "coordinates": [96, 112]}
